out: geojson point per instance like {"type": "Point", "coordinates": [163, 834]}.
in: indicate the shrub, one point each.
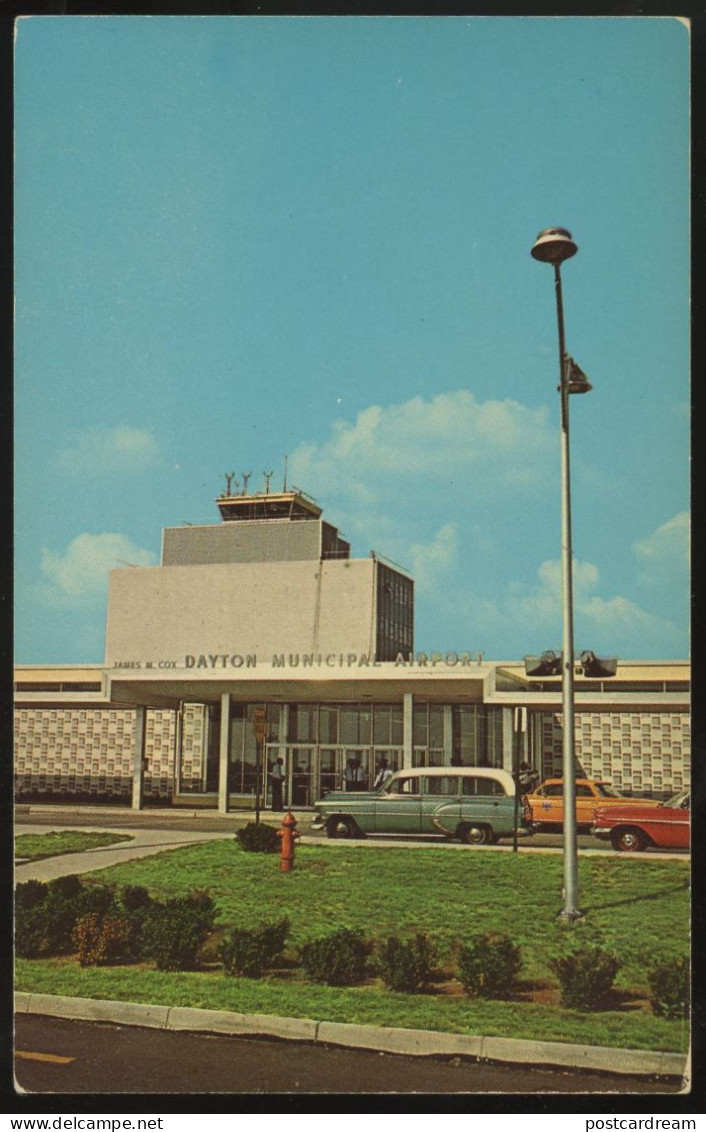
{"type": "Point", "coordinates": [100, 940]}
{"type": "Point", "coordinates": [669, 986]}
{"type": "Point", "coordinates": [175, 932]}
{"type": "Point", "coordinates": [488, 965]}
{"type": "Point", "coordinates": [406, 965]}
{"type": "Point", "coordinates": [29, 893]}
{"type": "Point", "coordinates": [585, 977]}
{"type": "Point", "coordinates": [133, 898]}
{"type": "Point", "coordinates": [65, 888]}
{"type": "Point", "coordinates": [134, 903]}
{"type": "Point", "coordinates": [338, 959]}
{"type": "Point", "coordinates": [30, 931]}
{"type": "Point", "coordinates": [98, 898]}
{"type": "Point", "coordinates": [61, 908]}
{"type": "Point", "coordinates": [255, 838]}
{"type": "Point", "coordinates": [47, 913]}
{"type": "Point", "coordinates": [249, 952]}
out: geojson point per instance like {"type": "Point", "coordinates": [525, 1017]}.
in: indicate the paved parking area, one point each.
{"type": "Point", "coordinates": [147, 839]}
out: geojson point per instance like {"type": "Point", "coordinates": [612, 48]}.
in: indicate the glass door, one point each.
{"type": "Point", "coordinates": [299, 773]}
{"type": "Point", "coordinates": [331, 771]}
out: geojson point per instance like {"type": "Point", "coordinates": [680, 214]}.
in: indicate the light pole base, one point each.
{"type": "Point", "coordinates": [569, 916]}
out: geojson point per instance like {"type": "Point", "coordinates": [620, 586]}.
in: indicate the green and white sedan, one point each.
{"type": "Point", "coordinates": [474, 804]}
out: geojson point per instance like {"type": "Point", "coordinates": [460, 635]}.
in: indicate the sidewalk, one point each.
{"type": "Point", "coordinates": [144, 843]}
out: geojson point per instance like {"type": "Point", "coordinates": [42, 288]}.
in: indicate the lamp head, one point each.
{"type": "Point", "coordinates": [553, 245]}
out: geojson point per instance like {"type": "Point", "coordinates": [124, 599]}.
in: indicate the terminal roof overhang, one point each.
{"type": "Point", "coordinates": [386, 684]}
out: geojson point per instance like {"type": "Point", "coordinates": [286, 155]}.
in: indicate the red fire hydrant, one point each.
{"type": "Point", "coordinates": [288, 835]}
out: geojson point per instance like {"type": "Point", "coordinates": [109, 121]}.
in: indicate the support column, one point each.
{"type": "Point", "coordinates": [223, 751]}
{"type": "Point", "coordinates": [407, 729]}
{"type": "Point", "coordinates": [448, 735]}
{"type": "Point", "coordinates": [138, 757]}
{"type": "Point", "coordinates": [508, 738]}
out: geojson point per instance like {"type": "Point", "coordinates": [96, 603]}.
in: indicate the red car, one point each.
{"type": "Point", "coordinates": [632, 828]}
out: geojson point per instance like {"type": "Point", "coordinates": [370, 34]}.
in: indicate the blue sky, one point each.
{"type": "Point", "coordinates": [239, 239]}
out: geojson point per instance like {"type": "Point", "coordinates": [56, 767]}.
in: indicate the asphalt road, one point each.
{"type": "Point", "coordinates": [74, 819]}
{"type": "Point", "coordinates": [59, 1056]}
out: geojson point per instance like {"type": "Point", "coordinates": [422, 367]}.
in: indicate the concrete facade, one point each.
{"type": "Point", "coordinates": [163, 614]}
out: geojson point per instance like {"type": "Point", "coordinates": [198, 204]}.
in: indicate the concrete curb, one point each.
{"type": "Point", "coordinates": [419, 1043]}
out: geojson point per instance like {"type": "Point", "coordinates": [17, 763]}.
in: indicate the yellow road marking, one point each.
{"type": "Point", "coordinates": [54, 1057]}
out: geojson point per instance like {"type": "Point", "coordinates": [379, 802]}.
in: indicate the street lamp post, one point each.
{"type": "Point", "coordinates": [554, 245]}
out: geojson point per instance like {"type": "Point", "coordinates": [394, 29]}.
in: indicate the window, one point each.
{"type": "Point", "coordinates": [404, 786]}
{"type": "Point", "coordinates": [554, 790]}
{"type": "Point", "coordinates": [448, 785]}
{"type": "Point", "coordinates": [481, 786]}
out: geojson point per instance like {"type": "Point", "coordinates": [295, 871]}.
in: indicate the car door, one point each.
{"type": "Point", "coordinates": [441, 800]}
{"type": "Point", "coordinates": [398, 809]}
{"type": "Point", "coordinates": [486, 803]}
{"type": "Point", "coordinates": [587, 801]}
{"type": "Point", "coordinates": [550, 804]}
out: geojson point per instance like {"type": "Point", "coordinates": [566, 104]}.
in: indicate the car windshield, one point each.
{"type": "Point", "coordinates": [678, 800]}
{"type": "Point", "coordinates": [607, 791]}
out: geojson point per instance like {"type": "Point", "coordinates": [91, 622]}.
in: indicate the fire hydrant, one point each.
{"type": "Point", "coordinates": [288, 835]}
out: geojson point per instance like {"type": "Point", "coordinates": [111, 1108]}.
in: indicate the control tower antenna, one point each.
{"type": "Point", "coordinates": [284, 482]}
{"type": "Point", "coordinates": [229, 482]}
{"type": "Point", "coordinates": [246, 477]}
{"type": "Point", "coordinates": [268, 477]}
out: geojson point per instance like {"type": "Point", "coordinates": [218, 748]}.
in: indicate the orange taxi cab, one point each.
{"type": "Point", "coordinates": [547, 801]}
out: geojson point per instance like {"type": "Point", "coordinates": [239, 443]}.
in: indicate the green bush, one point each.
{"type": "Point", "coordinates": [249, 952]}
{"type": "Point", "coordinates": [406, 964]}
{"type": "Point", "coordinates": [669, 981]}
{"type": "Point", "coordinates": [134, 898]}
{"type": "Point", "coordinates": [99, 940]}
{"type": "Point", "coordinates": [585, 977]}
{"type": "Point", "coordinates": [29, 893]}
{"type": "Point", "coordinates": [488, 965]}
{"type": "Point", "coordinates": [174, 932]}
{"type": "Point", "coordinates": [338, 959]}
{"type": "Point", "coordinates": [30, 933]}
{"type": "Point", "coordinates": [132, 905]}
{"type": "Point", "coordinates": [46, 914]}
{"type": "Point", "coordinates": [254, 838]}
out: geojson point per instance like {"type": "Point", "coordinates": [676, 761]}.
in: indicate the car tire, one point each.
{"type": "Point", "coordinates": [475, 834]}
{"type": "Point", "coordinates": [342, 827]}
{"type": "Point", "coordinates": [627, 839]}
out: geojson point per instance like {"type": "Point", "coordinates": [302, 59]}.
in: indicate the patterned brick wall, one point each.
{"type": "Point", "coordinates": [639, 752]}
{"type": "Point", "coordinates": [86, 752]}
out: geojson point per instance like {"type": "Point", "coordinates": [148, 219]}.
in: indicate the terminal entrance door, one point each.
{"type": "Point", "coordinates": [331, 770]}
{"type": "Point", "coordinates": [300, 777]}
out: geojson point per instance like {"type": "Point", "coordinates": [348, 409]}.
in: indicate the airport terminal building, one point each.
{"type": "Point", "coordinates": [259, 638]}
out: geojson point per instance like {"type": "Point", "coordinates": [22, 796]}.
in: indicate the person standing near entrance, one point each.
{"type": "Point", "coordinates": [384, 772]}
{"type": "Point", "coordinates": [277, 779]}
{"type": "Point", "coordinates": [350, 775]}
{"type": "Point", "coordinates": [361, 776]}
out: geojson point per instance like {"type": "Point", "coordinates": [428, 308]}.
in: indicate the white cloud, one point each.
{"type": "Point", "coordinates": [79, 576]}
{"type": "Point", "coordinates": [432, 562]}
{"type": "Point", "coordinates": [664, 555]}
{"type": "Point", "coordinates": [110, 450]}
{"type": "Point", "coordinates": [501, 444]}
{"type": "Point", "coordinates": [615, 625]}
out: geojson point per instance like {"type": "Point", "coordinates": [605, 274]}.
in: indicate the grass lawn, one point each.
{"type": "Point", "coordinates": [632, 907]}
{"type": "Point", "coordinates": [36, 846]}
